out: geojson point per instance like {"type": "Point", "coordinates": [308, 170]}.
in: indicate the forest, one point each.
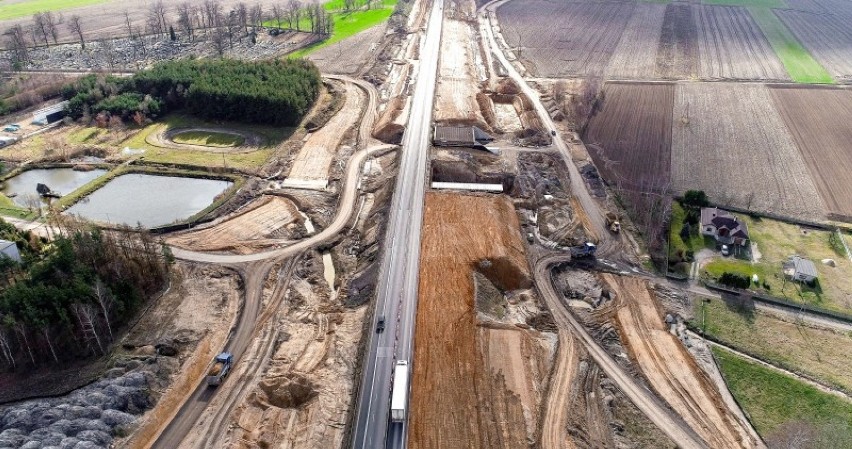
{"type": "Point", "coordinates": [69, 297]}
{"type": "Point", "coordinates": [268, 92]}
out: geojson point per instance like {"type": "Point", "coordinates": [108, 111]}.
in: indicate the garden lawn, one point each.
{"type": "Point", "coordinates": [773, 400]}
{"type": "Point", "coordinates": [776, 241]}
{"type": "Point", "coordinates": [209, 139]}
{"type": "Point", "coordinates": [801, 66]}
{"type": "Point", "coordinates": [30, 7]}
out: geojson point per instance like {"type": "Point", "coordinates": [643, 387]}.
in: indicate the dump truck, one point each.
{"type": "Point", "coordinates": [399, 395]}
{"type": "Point", "coordinates": [587, 249]}
{"type": "Point", "coordinates": [612, 223]}
{"type": "Point", "coordinates": [221, 366]}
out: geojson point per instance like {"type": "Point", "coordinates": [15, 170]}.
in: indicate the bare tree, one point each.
{"type": "Point", "coordinates": [75, 25]}
{"type": "Point", "coordinates": [185, 13]}
{"type": "Point", "coordinates": [109, 52]}
{"type": "Point", "coordinates": [6, 345]}
{"type": "Point", "coordinates": [348, 5]}
{"type": "Point", "coordinates": [45, 332]}
{"type": "Point", "coordinates": [105, 300]}
{"type": "Point", "coordinates": [256, 15]}
{"type": "Point", "coordinates": [22, 331]}
{"type": "Point", "coordinates": [277, 12]}
{"type": "Point", "coordinates": [40, 26]}
{"type": "Point", "coordinates": [294, 8]}
{"type": "Point", "coordinates": [52, 22]}
{"type": "Point", "coordinates": [219, 39]}
{"type": "Point", "coordinates": [213, 12]}
{"type": "Point", "coordinates": [16, 42]}
{"type": "Point", "coordinates": [128, 24]}
{"type": "Point", "coordinates": [87, 318]}
{"type": "Point", "coordinates": [242, 15]}
{"type": "Point", "coordinates": [159, 10]}
{"type": "Point", "coordinates": [153, 22]}
{"type": "Point", "coordinates": [310, 13]}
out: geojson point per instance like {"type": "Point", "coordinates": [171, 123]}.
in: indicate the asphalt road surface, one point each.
{"type": "Point", "coordinates": [397, 284]}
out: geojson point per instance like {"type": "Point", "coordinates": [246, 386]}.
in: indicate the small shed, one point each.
{"type": "Point", "coordinates": [50, 114]}
{"type": "Point", "coordinates": [800, 269]}
{"type": "Point", "coordinates": [10, 250]}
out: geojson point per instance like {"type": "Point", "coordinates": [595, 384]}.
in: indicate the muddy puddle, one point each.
{"type": "Point", "coordinates": [22, 188]}
{"type": "Point", "coordinates": [149, 200]}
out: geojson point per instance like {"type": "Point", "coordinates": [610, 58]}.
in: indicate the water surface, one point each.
{"type": "Point", "coordinates": [148, 200]}
{"type": "Point", "coordinates": [60, 180]}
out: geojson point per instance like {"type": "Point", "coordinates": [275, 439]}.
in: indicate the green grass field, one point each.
{"type": "Point", "coordinates": [801, 66]}
{"type": "Point", "coordinates": [345, 24]}
{"type": "Point", "coordinates": [209, 139]}
{"type": "Point", "coordinates": [30, 7]}
{"type": "Point", "coordinates": [773, 401]}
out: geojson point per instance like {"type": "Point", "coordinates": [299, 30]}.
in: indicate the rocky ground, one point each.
{"type": "Point", "coordinates": [134, 54]}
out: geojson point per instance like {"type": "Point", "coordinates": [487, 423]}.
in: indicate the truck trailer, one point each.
{"type": "Point", "coordinates": [399, 396]}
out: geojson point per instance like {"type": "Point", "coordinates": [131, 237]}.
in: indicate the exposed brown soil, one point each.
{"type": "Point", "coordinates": [471, 386]}
{"type": "Point", "coordinates": [669, 368]}
{"type": "Point", "coordinates": [350, 54]}
{"type": "Point", "coordinates": [819, 122]}
{"type": "Point", "coordinates": [262, 223]}
{"type": "Point", "coordinates": [458, 84]}
{"type": "Point", "coordinates": [677, 54]}
{"type": "Point", "coordinates": [630, 137]}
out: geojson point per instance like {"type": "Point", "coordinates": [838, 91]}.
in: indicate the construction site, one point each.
{"type": "Point", "coordinates": [454, 247]}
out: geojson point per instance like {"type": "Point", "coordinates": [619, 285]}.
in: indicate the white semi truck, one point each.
{"type": "Point", "coordinates": [399, 395]}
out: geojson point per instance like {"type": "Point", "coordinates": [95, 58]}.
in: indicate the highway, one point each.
{"type": "Point", "coordinates": [397, 283]}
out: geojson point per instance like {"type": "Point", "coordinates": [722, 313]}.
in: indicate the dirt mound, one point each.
{"type": "Point", "coordinates": [505, 273]}
{"type": "Point", "coordinates": [291, 390]}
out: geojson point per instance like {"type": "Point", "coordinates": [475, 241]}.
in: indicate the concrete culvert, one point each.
{"type": "Point", "coordinates": [289, 391]}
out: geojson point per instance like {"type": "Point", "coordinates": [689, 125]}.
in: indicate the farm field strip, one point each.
{"type": "Point", "coordinates": [800, 64]}
{"type": "Point", "coordinates": [729, 141]}
{"type": "Point", "coordinates": [677, 52]}
{"type": "Point", "coordinates": [818, 120]}
{"type": "Point", "coordinates": [828, 38]}
{"type": "Point", "coordinates": [630, 137]}
{"type": "Point", "coordinates": [636, 54]}
{"type": "Point", "coordinates": [11, 10]}
{"type": "Point", "coordinates": [554, 37]}
{"type": "Point", "coordinates": [731, 46]}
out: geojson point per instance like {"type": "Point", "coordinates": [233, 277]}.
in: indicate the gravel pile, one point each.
{"type": "Point", "coordinates": [86, 418]}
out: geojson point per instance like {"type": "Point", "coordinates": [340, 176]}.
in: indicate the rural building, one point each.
{"type": "Point", "coordinates": [50, 114]}
{"type": "Point", "coordinates": [10, 250]}
{"type": "Point", "coordinates": [723, 226]}
{"type": "Point", "coordinates": [800, 269]}
{"type": "Point", "coordinates": [459, 136]}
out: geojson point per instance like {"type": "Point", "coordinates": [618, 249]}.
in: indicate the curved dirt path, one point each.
{"type": "Point", "coordinates": [163, 138]}
{"type": "Point", "coordinates": [668, 422]}
{"type": "Point", "coordinates": [345, 211]}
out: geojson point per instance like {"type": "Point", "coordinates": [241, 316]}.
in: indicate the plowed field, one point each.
{"type": "Point", "coordinates": [729, 141]}
{"type": "Point", "coordinates": [630, 137]}
{"type": "Point", "coordinates": [459, 400]}
{"type": "Point", "coordinates": [563, 39]}
{"type": "Point", "coordinates": [636, 54]}
{"type": "Point", "coordinates": [819, 120]}
{"type": "Point", "coordinates": [732, 46]}
{"type": "Point", "coordinates": [828, 38]}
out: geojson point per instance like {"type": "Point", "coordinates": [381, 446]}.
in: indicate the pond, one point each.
{"type": "Point", "coordinates": [148, 200]}
{"type": "Point", "coordinates": [60, 180]}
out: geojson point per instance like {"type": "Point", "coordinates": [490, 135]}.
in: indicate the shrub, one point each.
{"type": "Point", "coordinates": [735, 280]}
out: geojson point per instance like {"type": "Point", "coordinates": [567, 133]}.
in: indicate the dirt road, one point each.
{"type": "Point", "coordinates": [608, 244]}
{"type": "Point", "coordinates": [668, 422]}
{"type": "Point", "coordinates": [555, 419]}
{"type": "Point", "coordinates": [345, 210]}
{"type": "Point", "coordinates": [670, 369]}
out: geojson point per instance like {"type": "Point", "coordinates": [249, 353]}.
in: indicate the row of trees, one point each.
{"type": "Point", "coordinates": [185, 17]}
{"type": "Point", "coordinates": [270, 92]}
{"type": "Point", "coordinates": [68, 299]}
